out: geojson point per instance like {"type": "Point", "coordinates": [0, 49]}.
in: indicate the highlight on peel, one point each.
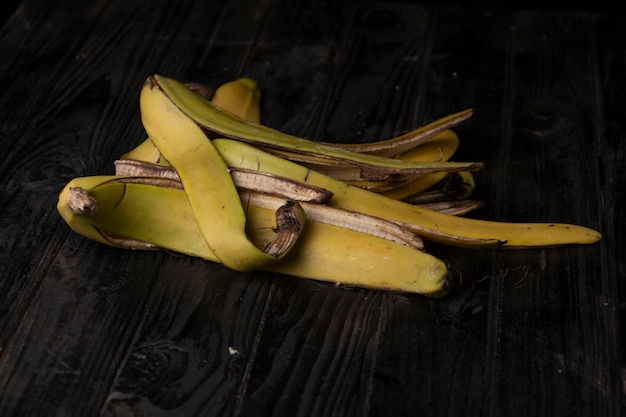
{"type": "Point", "coordinates": [240, 97]}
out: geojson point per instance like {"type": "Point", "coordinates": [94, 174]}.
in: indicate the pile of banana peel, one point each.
{"type": "Point", "coordinates": [211, 181]}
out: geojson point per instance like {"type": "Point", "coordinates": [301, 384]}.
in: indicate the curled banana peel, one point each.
{"type": "Point", "coordinates": [416, 141]}
{"type": "Point", "coordinates": [212, 195]}
{"type": "Point", "coordinates": [220, 123]}
{"type": "Point", "coordinates": [431, 225]}
{"type": "Point", "coordinates": [439, 147]}
{"type": "Point", "coordinates": [211, 181]}
{"type": "Point", "coordinates": [150, 215]}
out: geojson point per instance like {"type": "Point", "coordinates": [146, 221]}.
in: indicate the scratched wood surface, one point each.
{"type": "Point", "coordinates": [88, 330]}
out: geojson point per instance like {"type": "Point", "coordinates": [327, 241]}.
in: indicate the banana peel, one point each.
{"type": "Point", "coordinates": [417, 139]}
{"type": "Point", "coordinates": [220, 123]}
{"type": "Point", "coordinates": [431, 225]}
{"type": "Point", "coordinates": [212, 182]}
{"type": "Point", "coordinates": [240, 97]}
{"type": "Point", "coordinates": [127, 213]}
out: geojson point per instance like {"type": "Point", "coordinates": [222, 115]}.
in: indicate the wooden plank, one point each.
{"type": "Point", "coordinates": [69, 343]}
{"type": "Point", "coordinates": [319, 344]}
{"type": "Point", "coordinates": [194, 344]}
{"type": "Point", "coordinates": [610, 53]}
{"type": "Point", "coordinates": [91, 330]}
{"type": "Point", "coordinates": [33, 151]}
{"type": "Point", "coordinates": [316, 351]}
{"type": "Point", "coordinates": [99, 93]}
{"type": "Point", "coordinates": [432, 355]}
{"type": "Point", "coordinates": [295, 96]}
{"type": "Point", "coordinates": [376, 85]}
{"type": "Point", "coordinates": [78, 105]}
{"type": "Point", "coordinates": [543, 164]}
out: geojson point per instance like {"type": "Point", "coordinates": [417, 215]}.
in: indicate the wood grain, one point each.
{"type": "Point", "coordinates": [88, 330]}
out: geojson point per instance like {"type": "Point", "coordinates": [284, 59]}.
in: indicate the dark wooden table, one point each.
{"type": "Point", "coordinates": [89, 330]}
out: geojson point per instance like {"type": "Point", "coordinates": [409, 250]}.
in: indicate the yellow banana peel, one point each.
{"type": "Point", "coordinates": [221, 123]}
{"type": "Point", "coordinates": [210, 190]}
{"type": "Point", "coordinates": [240, 97]}
{"type": "Point", "coordinates": [139, 215]}
{"type": "Point", "coordinates": [442, 228]}
{"type": "Point", "coordinates": [416, 139]}
{"type": "Point", "coordinates": [213, 182]}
